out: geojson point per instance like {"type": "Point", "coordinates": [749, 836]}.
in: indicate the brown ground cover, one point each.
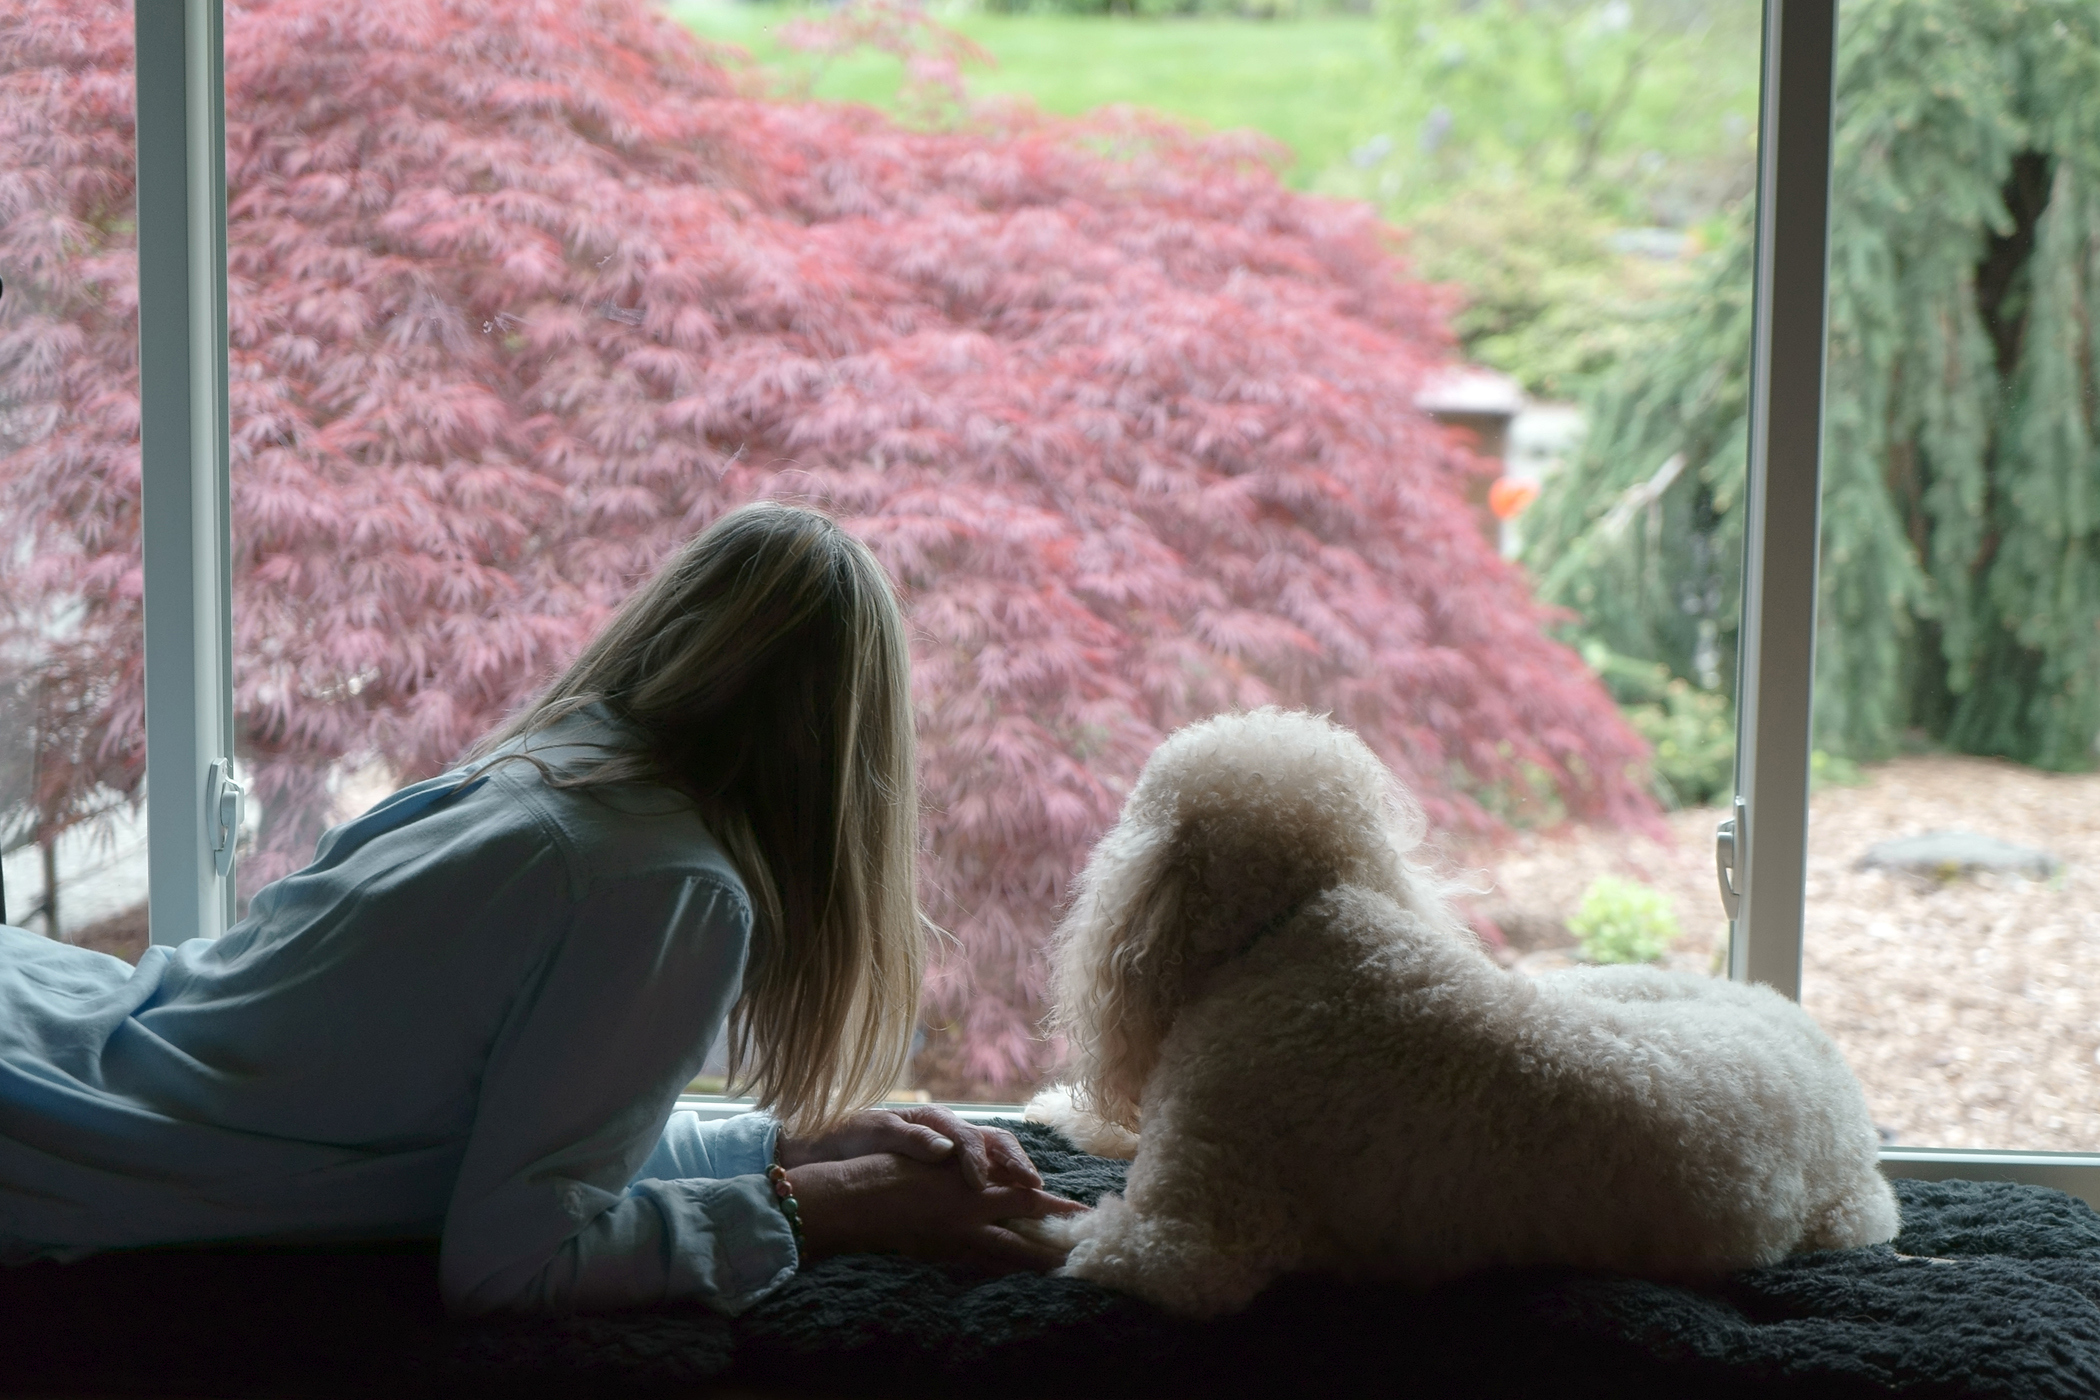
{"type": "Point", "coordinates": [1969, 1007]}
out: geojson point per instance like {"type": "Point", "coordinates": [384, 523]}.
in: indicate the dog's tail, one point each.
{"type": "Point", "coordinates": [1233, 823]}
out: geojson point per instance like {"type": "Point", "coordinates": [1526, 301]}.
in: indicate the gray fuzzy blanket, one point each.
{"type": "Point", "coordinates": [2012, 1309]}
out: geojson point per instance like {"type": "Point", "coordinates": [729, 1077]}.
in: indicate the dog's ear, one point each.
{"type": "Point", "coordinates": [1233, 823]}
{"type": "Point", "coordinates": [1115, 963]}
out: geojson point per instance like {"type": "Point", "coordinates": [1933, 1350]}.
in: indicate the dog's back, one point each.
{"type": "Point", "coordinates": [1425, 1114]}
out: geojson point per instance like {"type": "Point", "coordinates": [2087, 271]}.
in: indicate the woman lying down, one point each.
{"type": "Point", "coordinates": [472, 1015]}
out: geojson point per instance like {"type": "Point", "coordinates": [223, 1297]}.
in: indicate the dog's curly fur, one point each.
{"type": "Point", "coordinates": [1317, 1067]}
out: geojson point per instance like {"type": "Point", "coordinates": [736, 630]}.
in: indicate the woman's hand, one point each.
{"type": "Point", "coordinates": [890, 1202]}
{"type": "Point", "coordinates": [927, 1133]}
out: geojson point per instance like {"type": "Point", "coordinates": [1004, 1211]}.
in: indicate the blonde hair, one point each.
{"type": "Point", "coordinates": [766, 667]}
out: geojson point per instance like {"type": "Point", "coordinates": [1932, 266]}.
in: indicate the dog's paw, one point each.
{"type": "Point", "coordinates": [1089, 1132]}
{"type": "Point", "coordinates": [1055, 1233]}
{"type": "Point", "coordinates": [1052, 1107]}
{"type": "Point", "coordinates": [1170, 1263]}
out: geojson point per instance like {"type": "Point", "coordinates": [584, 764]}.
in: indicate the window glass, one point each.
{"type": "Point", "coordinates": [1331, 383]}
{"type": "Point", "coordinates": [1582, 176]}
{"type": "Point", "coordinates": [72, 719]}
{"type": "Point", "coordinates": [1954, 852]}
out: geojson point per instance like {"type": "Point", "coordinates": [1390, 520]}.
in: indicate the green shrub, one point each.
{"type": "Point", "coordinates": [1690, 731]}
{"type": "Point", "coordinates": [1832, 770]}
{"type": "Point", "coordinates": [1623, 921]}
{"type": "Point", "coordinates": [1547, 300]}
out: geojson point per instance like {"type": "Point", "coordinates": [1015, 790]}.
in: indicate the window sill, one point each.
{"type": "Point", "coordinates": [713, 1106]}
{"type": "Point", "coordinates": [2076, 1173]}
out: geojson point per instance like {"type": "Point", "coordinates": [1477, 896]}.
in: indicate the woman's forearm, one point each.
{"type": "Point", "coordinates": [720, 1242]}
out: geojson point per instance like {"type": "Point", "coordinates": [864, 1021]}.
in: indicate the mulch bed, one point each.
{"type": "Point", "coordinates": [1969, 1007]}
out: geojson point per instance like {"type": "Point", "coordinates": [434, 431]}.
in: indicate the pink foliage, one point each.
{"type": "Point", "coordinates": [525, 294]}
{"type": "Point", "coordinates": [933, 55]}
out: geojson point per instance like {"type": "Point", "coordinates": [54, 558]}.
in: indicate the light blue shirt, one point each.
{"type": "Point", "coordinates": [470, 1017]}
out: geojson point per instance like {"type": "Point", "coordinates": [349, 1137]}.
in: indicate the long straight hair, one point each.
{"type": "Point", "coordinates": [765, 668]}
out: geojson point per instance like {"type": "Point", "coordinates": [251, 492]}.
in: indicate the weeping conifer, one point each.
{"type": "Point", "coordinates": [1960, 588]}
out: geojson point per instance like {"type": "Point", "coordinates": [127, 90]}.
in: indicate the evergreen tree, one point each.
{"type": "Point", "coordinates": [1960, 588]}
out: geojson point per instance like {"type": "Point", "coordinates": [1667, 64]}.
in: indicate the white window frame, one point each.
{"type": "Point", "coordinates": [186, 517]}
{"type": "Point", "coordinates": [188, 547]}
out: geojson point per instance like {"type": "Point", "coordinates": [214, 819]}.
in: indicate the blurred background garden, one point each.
{"type": "Point", "coordinates": [1387, 358]}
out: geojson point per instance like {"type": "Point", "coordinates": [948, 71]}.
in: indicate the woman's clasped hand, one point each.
{"type": "Point", "coordinates": [924, 1182]}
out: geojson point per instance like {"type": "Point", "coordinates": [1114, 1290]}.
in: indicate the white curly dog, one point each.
{"type": "Point", "coordinates": [1317, 1067]}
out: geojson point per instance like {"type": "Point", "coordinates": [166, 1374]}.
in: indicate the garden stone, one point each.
{"type": "Point", "coordinates": [1947, 855]}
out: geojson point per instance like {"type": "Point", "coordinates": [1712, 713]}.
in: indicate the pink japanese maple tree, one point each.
{"type": "Point", "coordinates": [524, 294]}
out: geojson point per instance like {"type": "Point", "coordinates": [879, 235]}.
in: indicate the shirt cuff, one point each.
{"type": "Point", "coordinates": [727, 1241]}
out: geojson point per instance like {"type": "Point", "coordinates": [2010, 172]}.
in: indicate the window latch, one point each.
{"type": "Point", "coordinates": [1728, 839]}
{"type": "Point", "coordinates": [223, 801]}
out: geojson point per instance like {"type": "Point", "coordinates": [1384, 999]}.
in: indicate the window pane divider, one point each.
{"type": "Point", "coordinates": [186, 525]}
{"type": "Point", "coordinates": [1776, 669]}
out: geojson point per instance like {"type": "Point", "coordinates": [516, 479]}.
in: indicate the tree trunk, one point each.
{"type": "Point", "coordinates": [50, 904]}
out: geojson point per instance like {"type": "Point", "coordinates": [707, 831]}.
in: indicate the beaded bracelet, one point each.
{"type": "Point", "coordinates": [784, 1197]}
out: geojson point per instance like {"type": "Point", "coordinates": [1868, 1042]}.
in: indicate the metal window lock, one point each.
{"type": "Point", "coordinates": [223, 799]}
{"type": "Point", "coordinates": [1728, 845]}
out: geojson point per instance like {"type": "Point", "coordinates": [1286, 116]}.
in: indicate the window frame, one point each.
{"type": "Point", "coordinates": [187, 525]}
{"type": "Point", "coordinates": [1775, 669]}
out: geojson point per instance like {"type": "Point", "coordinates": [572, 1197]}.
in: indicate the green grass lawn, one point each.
{"type": "Point", "coordinates": [1470, 132]}
{"type": "Point", "coordinates": [1321, 85]}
